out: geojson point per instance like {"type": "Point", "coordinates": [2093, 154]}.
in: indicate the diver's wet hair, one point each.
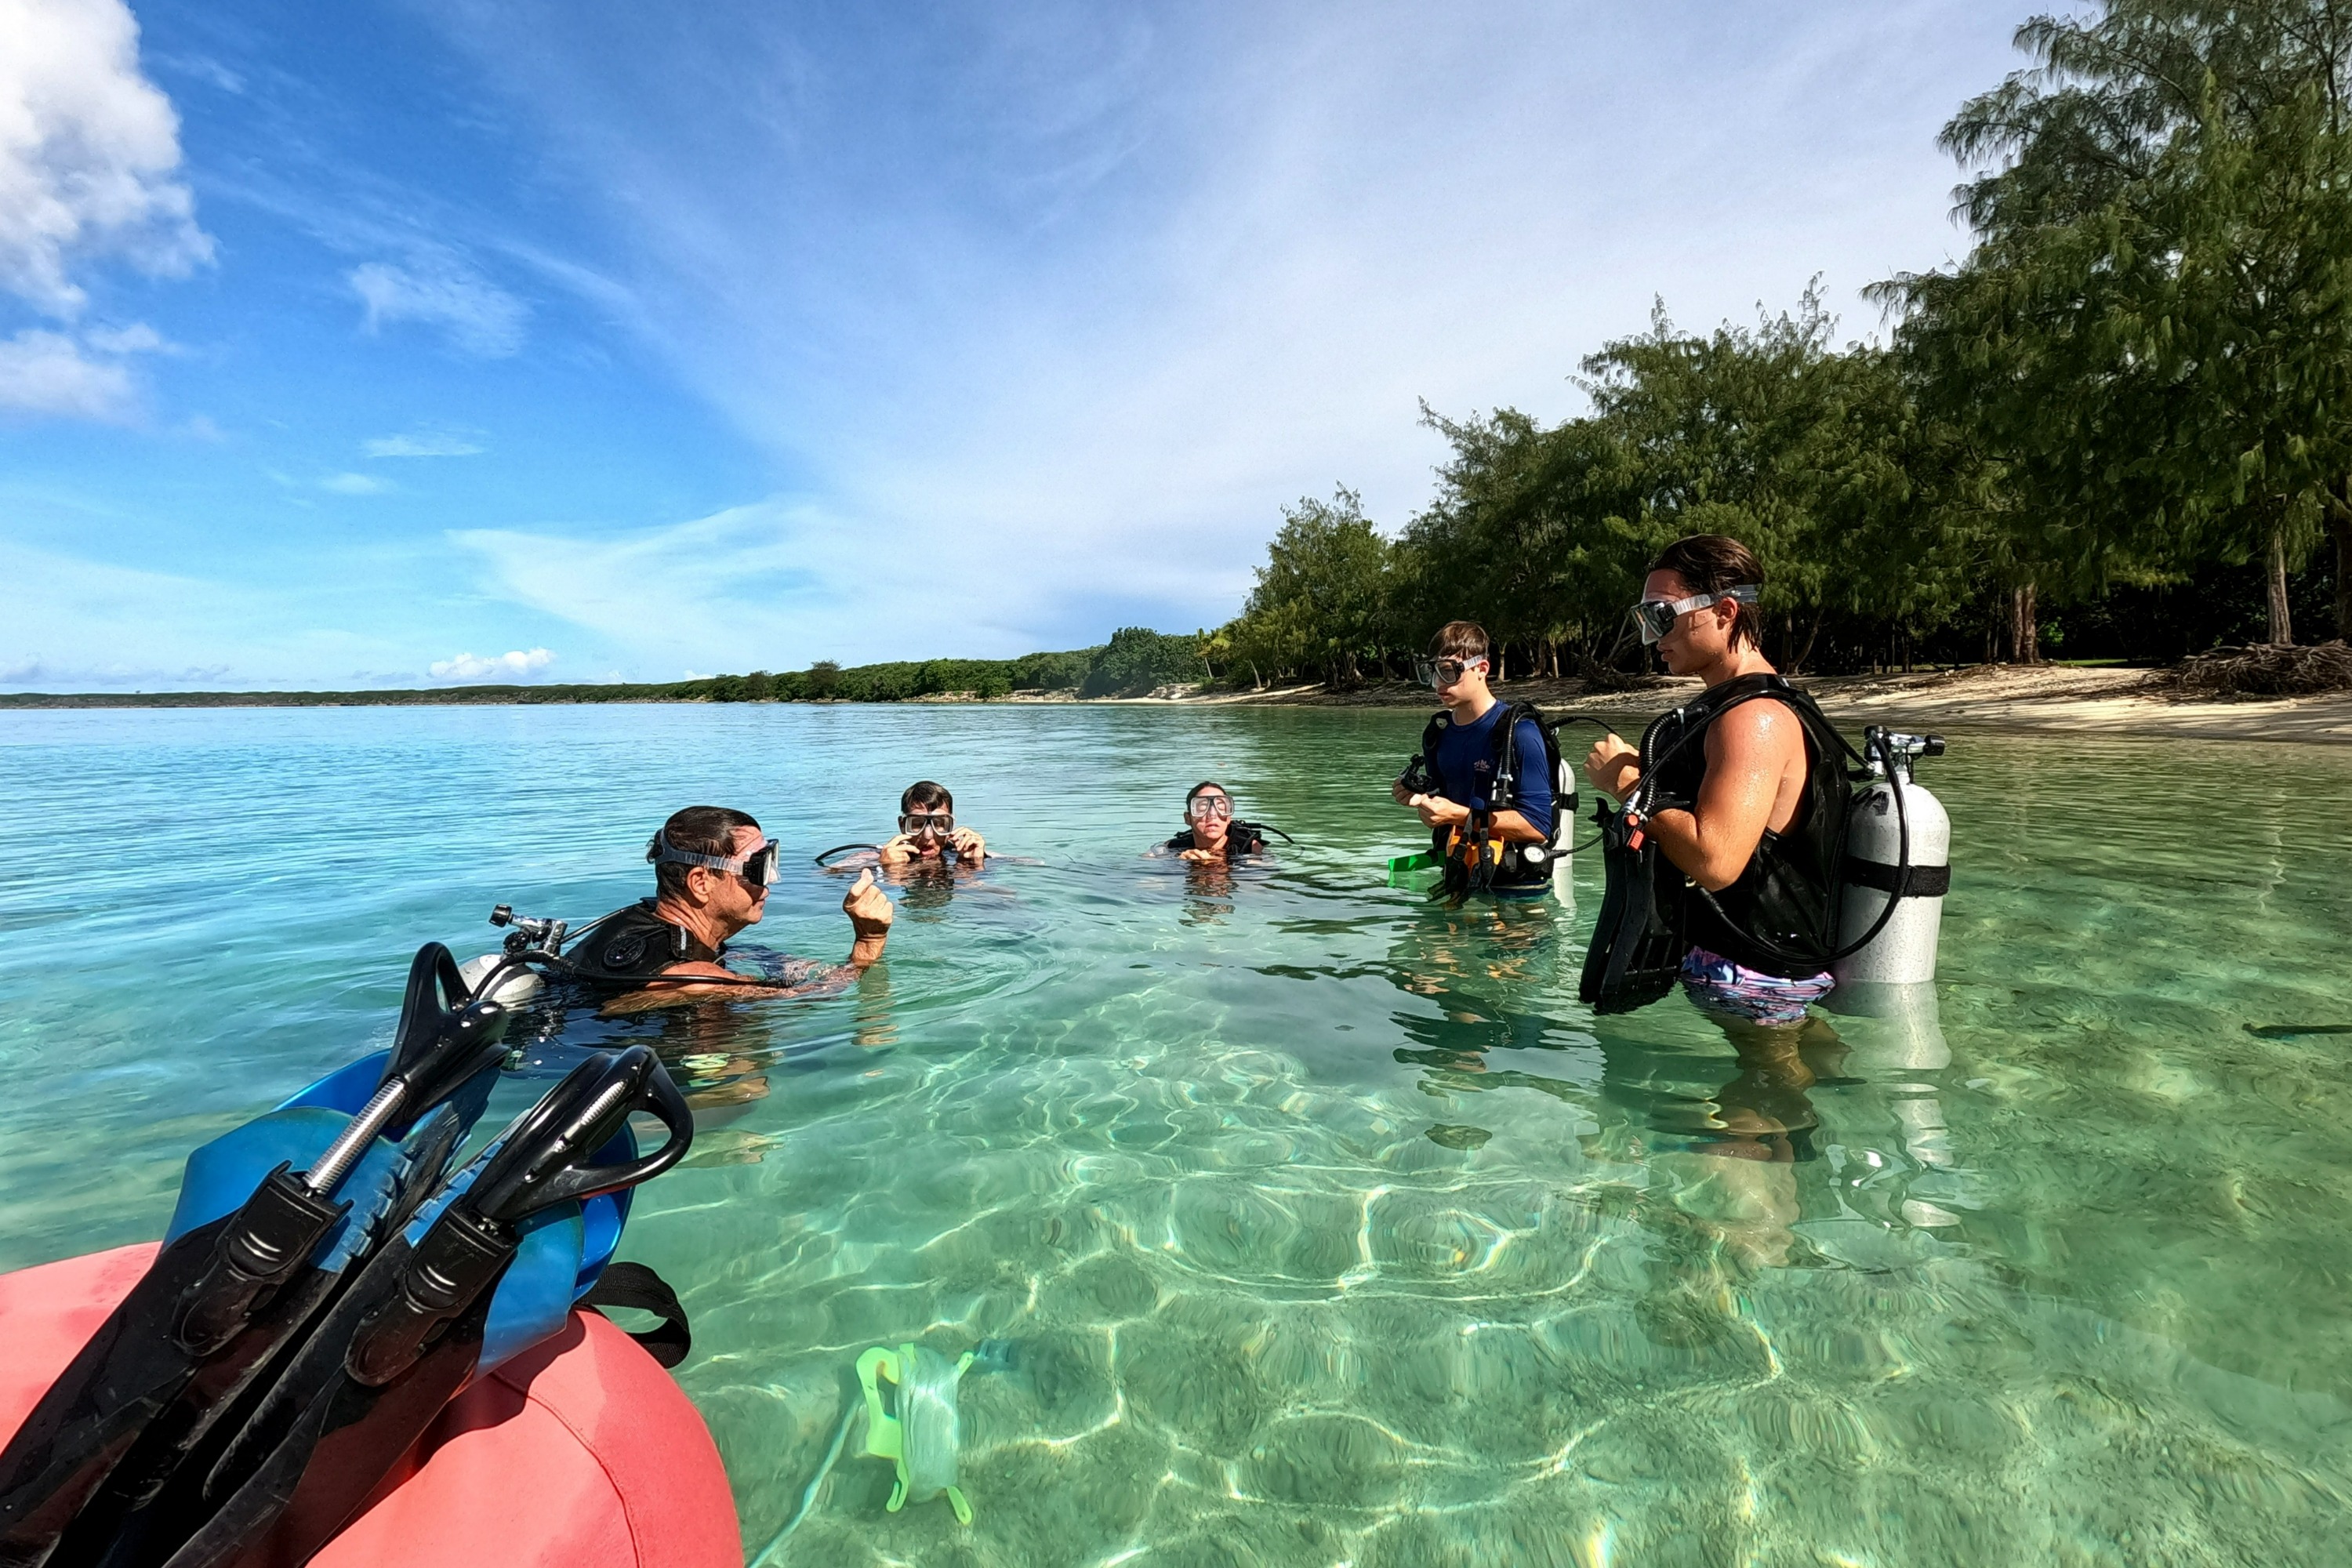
{"type": "Point", "coordinates": [1465, 641]}
{"type": "Point", "coordinates": [931, 796]}
{"type": "Point", "coordinates": [1711, 562]}
{"type": "Point", "coordinates": [698, 830]}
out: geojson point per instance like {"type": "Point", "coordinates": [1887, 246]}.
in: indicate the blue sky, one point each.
{"type": "Point", "coordinates": [378, 344]}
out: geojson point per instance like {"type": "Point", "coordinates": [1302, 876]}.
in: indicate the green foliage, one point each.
{"type": "Point", "coordinates": [2141, 376]}
{"type": "Point", "coordinates": [1323, 600]}
{"type": "Point", "coordinates": [2153, 336]}
{"type": "Point", "coordinates": [1137, 660]}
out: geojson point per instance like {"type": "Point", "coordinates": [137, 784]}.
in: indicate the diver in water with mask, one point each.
{"type": "Point", "coordinates": [1483, 781]}
{"type": "Point", "coordinates": [927, 834]}
{"type": "Point", "coordinates": [1213, 833]}
{"type": "Point", "coordinates": [1751, 815]}
{"type": "Point", "coordinates": [712, 869]}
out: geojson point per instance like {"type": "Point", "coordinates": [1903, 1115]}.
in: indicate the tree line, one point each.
{"type": "Point", "coordinates": [2120, 427]}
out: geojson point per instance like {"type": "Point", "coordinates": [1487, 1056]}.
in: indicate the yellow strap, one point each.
{"type": "Point", "coordinates": [883, 1437]}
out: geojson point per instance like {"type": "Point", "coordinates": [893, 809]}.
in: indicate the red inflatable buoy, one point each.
{"type": "Point", "coordinates": [580, 1453]}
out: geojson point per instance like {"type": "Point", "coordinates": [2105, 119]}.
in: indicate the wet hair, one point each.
{"type": "Point", "coordinates": [698, 830]}
{"type": "Point", "coordinates": [1711, 562]}
{"type": "Point", "coordinates": [1465, 641]}
{"type": "Point", "coordinates": [923, 792]}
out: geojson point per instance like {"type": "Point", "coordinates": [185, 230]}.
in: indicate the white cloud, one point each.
{"type": "Point", "coordinates": [50, 374]}
{"type": "Point", "coordinates": [88, 148]}
{"type": "Point", "coordinates": [516, 666]}
{"type": "Point", "coordinates": [355, 484]}
{"type": "Point", "coordinates": [751, 585]}
{"type": "Point", "coordinates": [421, 444]}
{"type": "Point", "coordinates": [441, 291]}
{"type": "Point", "coordinates": [1066, 301]}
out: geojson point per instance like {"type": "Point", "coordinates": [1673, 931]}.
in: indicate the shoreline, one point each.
{"type": "Point", "coordinates": [2038, 699]}
{"type": "Point", "coordinates": [2026, 699]}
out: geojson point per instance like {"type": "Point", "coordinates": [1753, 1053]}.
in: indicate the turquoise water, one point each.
{"type": "Point", "coordinates": [1326, 1226]}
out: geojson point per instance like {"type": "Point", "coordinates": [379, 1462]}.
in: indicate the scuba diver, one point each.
{"type": "Point", "coordinates": [1483, 781]}
{"type": "Point", "coordinates": [928, 831]}
{"type": "Point", "coordinates": [712, 869]}
{"type": "Point", "coordinates": [1753, 816]}
{"type": "Point", "coordinates": [1215, 834]}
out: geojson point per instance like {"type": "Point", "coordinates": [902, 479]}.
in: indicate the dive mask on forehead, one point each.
{"type": "Point", "coordinates": [758, 867]}
{"type": "Point", "coordinates": [1656, 618]}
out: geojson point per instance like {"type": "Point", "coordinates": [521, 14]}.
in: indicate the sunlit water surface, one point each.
{"type": "Point", "coordinates": [1326, 1226]}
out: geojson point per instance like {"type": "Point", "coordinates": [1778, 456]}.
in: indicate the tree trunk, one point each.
{"type": "Point", "coordinates": [2024, 627]}
{"type": "Point", "coordinates": [2282, 622]}
{"type": "Point", "coordinates": [2339, 523]}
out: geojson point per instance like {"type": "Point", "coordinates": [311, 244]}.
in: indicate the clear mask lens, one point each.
{"type": "Point", "coordinates": [1205, 806]}
{"type": "Point", "coordinates": [921, 822]}
{"type": "Point", "coordinates": [1437, 672]}
{"type": "Point", "coordinates": [1656, 618]}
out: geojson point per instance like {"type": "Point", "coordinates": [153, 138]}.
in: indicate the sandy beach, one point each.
{"type": "Point", "coordinates": [1998, 697]}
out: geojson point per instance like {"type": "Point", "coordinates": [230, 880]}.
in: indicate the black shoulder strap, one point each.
{"type": "Point", "coordinates": [634, 1286]}
{"type": "Point", "coordinates": [1182, 841]}
{"type": "Point", "coordinates": [1430, 735]}
{"type": "Point", "coordinates": [1507, 748]}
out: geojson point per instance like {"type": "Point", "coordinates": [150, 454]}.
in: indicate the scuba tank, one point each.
{"type": "Point", "coordinates": [1903, 951]}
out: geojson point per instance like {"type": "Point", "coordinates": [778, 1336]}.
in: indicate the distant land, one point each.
{"type": "Point", "coordinates": [1135, 662]}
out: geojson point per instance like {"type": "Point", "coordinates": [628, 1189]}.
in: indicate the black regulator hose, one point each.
{"type": "Point", "coordinates": [844, 849]}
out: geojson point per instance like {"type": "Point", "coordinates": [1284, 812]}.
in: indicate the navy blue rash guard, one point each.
{"type": "Point", "coordinates": [1466, 767]}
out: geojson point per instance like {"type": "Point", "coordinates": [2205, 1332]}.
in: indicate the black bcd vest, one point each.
{"type": "Point", "coordinates": [1240, 839]}
{"type": "Point", "coordinates": [1780, 917]}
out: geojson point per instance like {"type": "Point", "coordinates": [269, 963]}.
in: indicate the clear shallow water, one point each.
{"type": "Point", "coordinates": [1329, 1225]}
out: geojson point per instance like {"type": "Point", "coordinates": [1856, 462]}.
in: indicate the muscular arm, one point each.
{"type": "Point", "coordinates": [1755, 766]}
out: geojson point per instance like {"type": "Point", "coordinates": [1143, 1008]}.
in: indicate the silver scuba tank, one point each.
{"type": "Point", "coordinates": [1904, 951]}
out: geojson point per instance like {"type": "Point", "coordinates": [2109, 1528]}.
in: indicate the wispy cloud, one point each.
{"type": "Point", "coordinates": [423, 444]}
{"type": "Point", "coordinates": [516, 666]}
{"type": "Point", "coordinates": [355, 485]}
{"type": "Point", "coordinates": [474, 313]}
{"type": "Point", "coordinates": [1066, 299]}
{"type": "Point", "coordinates": [88, 151]}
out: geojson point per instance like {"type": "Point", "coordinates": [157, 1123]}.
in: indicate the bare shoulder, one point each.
{"type": "Point", "coordinates": [1762, 727]}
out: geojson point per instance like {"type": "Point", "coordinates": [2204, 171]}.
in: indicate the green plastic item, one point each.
{"type": "Point", "coordinates": [921, 1438]}
{"type": "Point", "coordinates": [1414, 870]}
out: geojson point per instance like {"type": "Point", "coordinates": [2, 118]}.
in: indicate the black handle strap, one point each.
{"type": "Point", "coordinates": [637, 1288]}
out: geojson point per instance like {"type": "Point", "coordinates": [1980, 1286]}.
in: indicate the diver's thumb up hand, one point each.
{"type": "Point", "coordinates": [868, 909]}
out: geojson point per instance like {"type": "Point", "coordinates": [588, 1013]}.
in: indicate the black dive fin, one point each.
{"type": "Point", "coordinates": [1637, 939]}
{"type": "Point", "coordinates": [407, 1337]}
{"type": "Point", "coordinates": [131, 1521]}
{"type": "Point", "coordinates": [228, 1291]}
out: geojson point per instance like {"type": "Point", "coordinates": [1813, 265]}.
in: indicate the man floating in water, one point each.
{"type": "Point", "coordinates": [712, 870]}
